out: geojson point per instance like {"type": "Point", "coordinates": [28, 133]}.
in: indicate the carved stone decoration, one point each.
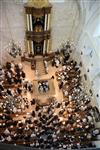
{"type": "Point", "coordinates": [38, 3]}
{"type": "Point", "coordinates": [38, 31]}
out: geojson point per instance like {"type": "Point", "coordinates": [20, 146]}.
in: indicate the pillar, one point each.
{"type": "Point", "coordinates": [32, 48]}
{"type": "Point", "coordinates": [48, 45]}
{"type": "Point", "coordinates": [31, 26]}
{"type": "Point", "coordinates": [48, 24]}
{"type": "Point", "coordinates": [28, 24]}
{"type": "Point", "coordinates": [44, 47]}
{"type": "Point", "coordinates": [45, 25]}
{"type": "Point", "coordinates": [28, 46]}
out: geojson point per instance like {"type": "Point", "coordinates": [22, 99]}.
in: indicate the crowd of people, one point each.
{"type": "Point", "coordinates": [66, 124]}
{"type": "Point", "coordinates": [12, 87]}
{"type": "Point", "coordinates": [11, 74]}
{"type": "Point", "coordinates": [43, 86]}
{"type": "Point", "coordinates": [60, 125]}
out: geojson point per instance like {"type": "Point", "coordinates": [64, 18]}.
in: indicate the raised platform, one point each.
{"type": "Point", "coordinates": [51, 86]}
{"type": "Point", "coordinates": [44, 97]}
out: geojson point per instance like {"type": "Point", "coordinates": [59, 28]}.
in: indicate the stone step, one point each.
{"type": "Point", "coordinates": [40, 66]}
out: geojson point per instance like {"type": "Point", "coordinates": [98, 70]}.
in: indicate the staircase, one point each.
{"type": "Point", "coordinates": [40, 65]}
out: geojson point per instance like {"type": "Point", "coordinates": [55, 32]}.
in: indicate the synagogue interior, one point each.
{"type": "Point", "coordinates": [49, 74]}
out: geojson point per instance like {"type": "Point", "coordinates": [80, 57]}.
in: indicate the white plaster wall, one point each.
{"type": "Point", "coordinates": [90, 46]}
{"type": "Point", "coordinates": [64, 22]}
{"type": "Point", "coordinates": [11, 26]}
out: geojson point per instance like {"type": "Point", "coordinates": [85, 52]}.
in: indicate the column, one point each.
{"type": "Point", "coordinates": [48, 24]}
{"type": "Point", "coordinates": [45, 25]}
{"type": "Point", "coordinates": [48, 45]}
{"type": "Point", "coordinates": [28, 24]}
{"type": "Point", "coordinates": [44, 47]}
{"type": "Point", "coordinates": [31, 26]}
{"type": "Point", "coordinates": [32, 47]}
{"type": "Point", "coordinates": [28, 46]}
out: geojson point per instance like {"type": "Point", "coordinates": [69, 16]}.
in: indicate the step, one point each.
{"type": "Point", "coordinates": [40, 66]}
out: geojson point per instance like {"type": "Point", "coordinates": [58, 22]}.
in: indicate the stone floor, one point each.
{"type": "Point", "coordinates": [31, 76]}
